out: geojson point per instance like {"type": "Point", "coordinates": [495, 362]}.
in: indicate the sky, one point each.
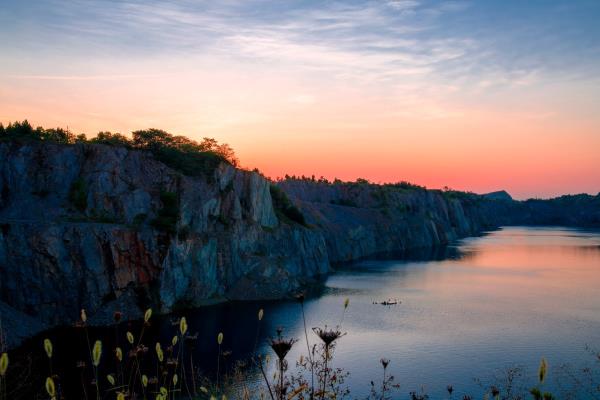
{"type": "Point", "coordinates": [474, 95]}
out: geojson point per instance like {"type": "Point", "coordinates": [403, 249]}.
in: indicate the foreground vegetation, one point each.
{"type": "Point", "coordinates": [134, 369]}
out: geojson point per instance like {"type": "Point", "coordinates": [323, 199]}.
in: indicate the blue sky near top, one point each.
{"type": "Point", "coordinates": [263, 75]}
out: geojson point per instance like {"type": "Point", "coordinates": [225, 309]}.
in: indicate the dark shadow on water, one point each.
{"type": "Point", "coordinates": [237, 321]}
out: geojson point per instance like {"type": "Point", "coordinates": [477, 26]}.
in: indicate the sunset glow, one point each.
{"type": "Point", "coordinates": [470, 95]}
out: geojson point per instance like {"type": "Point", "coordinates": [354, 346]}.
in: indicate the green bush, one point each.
{"type": "Point", "coordinates": [285, 209]}
{"type": "Point", "coordinates": [178, 152]}
{"type": "Point", "coordinates": [78, 194]}
{"type": "Point", "coordinates": [168, 215]}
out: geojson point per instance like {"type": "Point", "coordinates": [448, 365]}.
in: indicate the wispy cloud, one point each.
{"type": "Point", "coordinates": [379, 44]}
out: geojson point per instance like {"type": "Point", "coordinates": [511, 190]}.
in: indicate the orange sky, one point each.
{"type": "Point", "coordinates": [343, 91]}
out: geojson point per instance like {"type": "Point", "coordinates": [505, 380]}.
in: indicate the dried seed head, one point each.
{"type": "Point", "coordinates": [147, 315]}
{"type": "Point", "coordinates": [174, 340]}
{"type": "Point", "coordinates": [495, 391]}
{"type": "Point", "coordinates": [159, 352]}
{"type": "Point", "coordinates": [83, 315]}
{"type": "Point", "coordinates": [48, 347]}
{"type": "Point", "coordinates": [346, 303]}
{"type": "Point", "coordinates": [130, 337]}
{"type": "Point", "coordinates": [220, 338]}
{"type": "Point", "coordinates": [111, 379]}
{"type": "Point", "coordinates": [328, 336]}
{"type": "Point", "coordinates": [144, 380]}
{"type": "Point", "coordinates": [261, 313]}
{"type": "Point", "coordinates": [175, 379]}
{"type": "Point", "coordinates": [50, 388]}
{"type": "Point", "coordinates": [543, 369]}
{"type": "Point", "coordinates": [97, 353]}
{"type": "Point", "coordinates": [183, 327]}
{"type": "Point", "coordinates": [3, 364]}
{"type": "Point", "coordinates": [119, 354]}
{"type": "Point", "coordinates": [385, 362]}
{"type": "Point", "coordinates": [282, 346]}
{"type": "Point", "coordinates": [203, 389]}
{"type": "Point", "coordinates": [120, 396]}
{"type": "Point", "coordinates": [163, 391]}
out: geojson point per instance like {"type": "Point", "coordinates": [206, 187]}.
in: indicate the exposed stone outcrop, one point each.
{"type": "Point", "coordinates": [363, 220]}
{"type": "Point", "coordinates": [106, 228]}
{"type": "Point", "coordinates": [78, 230]}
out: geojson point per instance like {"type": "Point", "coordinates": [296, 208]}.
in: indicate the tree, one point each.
{"type": "Point", "coordinates": [57, 135]}
{"type": "Point", "coordinates": [113, 139]}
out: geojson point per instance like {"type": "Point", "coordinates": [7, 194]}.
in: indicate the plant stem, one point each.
{"type": "Point", "coordinates": [310, 360]}
{"type": "Point", "coordinates": [218, 365]}
{"type": "Point", "coordinates": [266, 379]}
{"type": "Point", "coordinates": [383, 386]}
{"type": "Point", "coordinates": [326, 371]}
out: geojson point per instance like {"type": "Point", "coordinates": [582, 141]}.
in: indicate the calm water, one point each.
{"type": "Point", "coordinates": [504, 299]}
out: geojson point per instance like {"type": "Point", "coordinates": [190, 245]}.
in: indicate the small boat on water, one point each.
{"type": "Point", "coordinates": [388, 302]}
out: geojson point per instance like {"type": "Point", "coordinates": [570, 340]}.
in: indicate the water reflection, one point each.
{"type": "Point", "coordinates": [466, 311]}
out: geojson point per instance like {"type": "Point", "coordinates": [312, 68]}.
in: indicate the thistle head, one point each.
{"type": "Point", "coordinates": [384, 363]}
{"type": "Point", "coordinates": [282, 346]}
{"type": "Point", "coordinates": [328, 336]}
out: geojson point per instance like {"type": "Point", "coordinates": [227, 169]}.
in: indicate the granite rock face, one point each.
{"type": "Point", "coordinates": [78, 229]}
{"type": "Point", "coordinates": [363, 220]}
{"type": "Point", "coordinates": [107, 228]}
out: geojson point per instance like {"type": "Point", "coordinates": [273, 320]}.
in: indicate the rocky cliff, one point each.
{"type": "Point", "coordinates": [108, 228]}
{"type": "Point", "coordinates": [105, 228]}
{"type": "Point", "coordinates": [363, 220]}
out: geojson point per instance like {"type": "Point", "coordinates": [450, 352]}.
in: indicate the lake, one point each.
{"type": "Point", "coordinates": [484, 305]}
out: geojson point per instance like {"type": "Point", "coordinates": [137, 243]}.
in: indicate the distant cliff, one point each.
{"type": "Point", "coordinates": [359, 219]}
{"type": "Point", "coordinates": [109, 228]}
